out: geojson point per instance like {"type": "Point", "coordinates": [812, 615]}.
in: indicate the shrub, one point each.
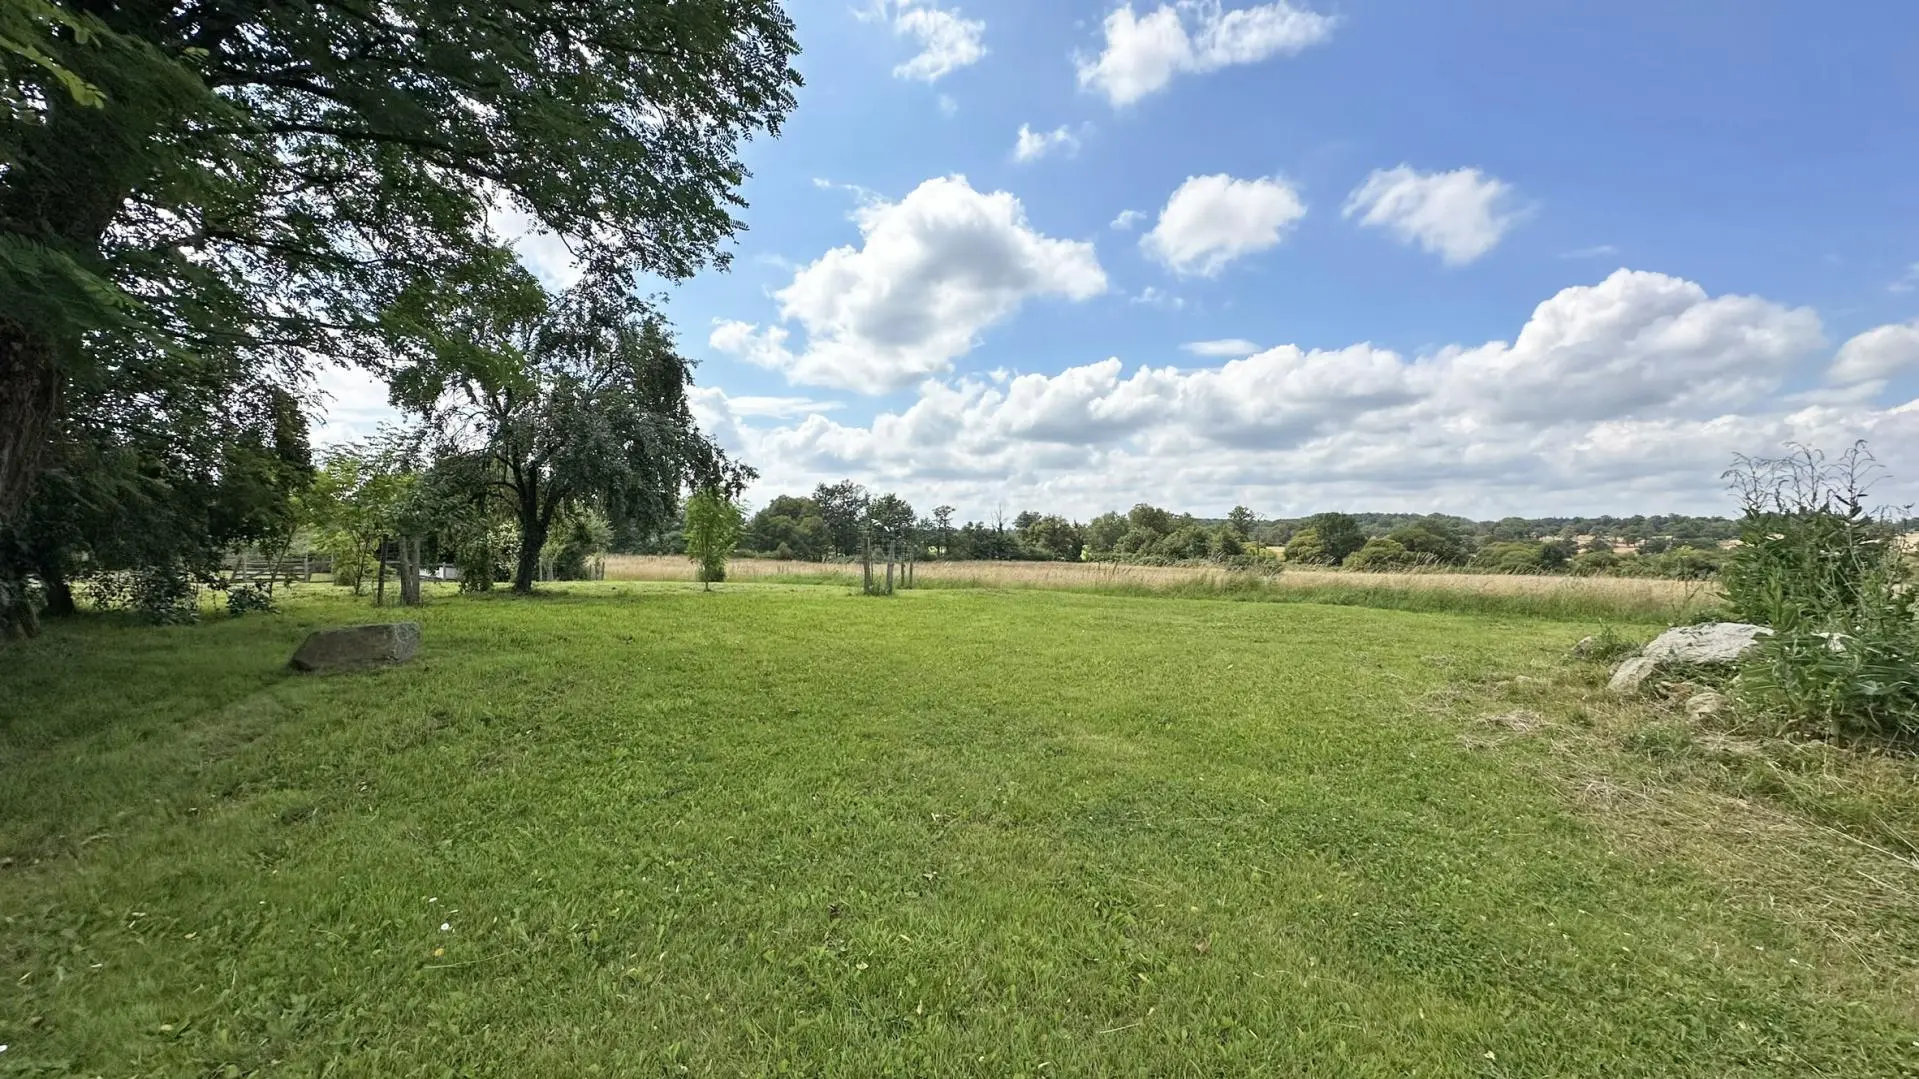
{"type": "Point", "coordinates": [1433, 543]}
{"type": "Point", "coordinates": [1607, 646]}
{"type": "Point", "coordinates": [581, 534]}
{"type": "Point", "coordinates": [1381, 554]}
{"type": "Point", "coordinates": [247, 598]}
{"type": "Point", "coordinates": [486, 556]}
{"type": "Point", "coordinates": [1511, 556]}
{"type": "Point", "coordinates": [1594, 563]}
{"type": "Point", "coordinates": [1826, 575]}
{"type": "Point", "coordinates": [1306, 549]}
{"type": "Point", "coordinates": [165, 595]}
{"type": "Point", "coordinates": [713, 528]}
{"type": "Point", "coordinates": [1187, 541]}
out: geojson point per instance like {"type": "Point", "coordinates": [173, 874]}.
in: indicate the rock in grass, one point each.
{"type": "Point", "coordinates": [347, 647]}
{"type": "Point", "coordinates": [1707, 645]}
{"type": "Point", "coordinates": [1631, 676]}
{"type": "Point", "coordinates": [1706, 705]}
{"type": "Point", "coordinates": [1704, 645]}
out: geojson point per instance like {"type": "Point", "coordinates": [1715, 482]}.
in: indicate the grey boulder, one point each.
{"type": "Point", "coordinates": [1705, 645]}
{"type": "Point", "coordinates": [348, 647]}
{"type": "Point", "coordinates": [1632, 675]}
{"type": "Point", "coordinates": [1713, 642]}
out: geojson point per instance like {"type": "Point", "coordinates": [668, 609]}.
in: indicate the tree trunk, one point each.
{"type": "Point", "coordinates": [409, 571]}
{"type": "Point", "coordinates": [379, 590]}
{"type": "Point", "coordinates": [59, 593]}
{"type": "Point", "coordinates": [532, 538]}
{"type": "Point", "coordinates": [29, 406]}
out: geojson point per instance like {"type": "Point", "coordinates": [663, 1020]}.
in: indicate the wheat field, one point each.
{"type": "Point", "coordinates": [1639, 598]}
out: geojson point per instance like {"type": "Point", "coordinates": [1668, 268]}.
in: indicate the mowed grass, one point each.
{"type": "Point", "coordinates": [644, 830]}
{"type": "Point", "coordinates": [1640, 600]}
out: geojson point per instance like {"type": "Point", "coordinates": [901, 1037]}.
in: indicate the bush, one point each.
{"type": "Point", "coordinates": [1511, 556]}
{"type": "Point", "coordinates": [165, 595]}
{"type": "Point", "coordinates": [1608, 647]}
{"type": "Point", "coordinates": [486, 556]}
{"type": "Point", "coordinates": [1827, 576]}
{"type": "Point", "coordinates": [1305, 549]}
{"type": "Point", "coordinates": [1594, 563]}
{"type": "Point", "coordinates": [580, 535]}
{"type": "Point", "coordinates": [247, 598]}
{"type": "Point", "coordinates": [1381, 554]}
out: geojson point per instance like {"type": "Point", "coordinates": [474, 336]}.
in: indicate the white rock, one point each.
{"type": "Point", "coordinates": [1706, 704]}
{"type": "Point", "coordinates": [1713, 642]}
{"type": "Point", "coordinates": [1631, 675]}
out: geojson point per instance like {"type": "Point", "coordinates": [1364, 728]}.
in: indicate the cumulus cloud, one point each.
{"type": "Point", "coordinates": [947, 41]}
{"type": "Point", "coordinates": [1142, 53]}
{"type": "Point", "coordinates": [1878, 353]}
{"type": "Point", "coordinates": [1212, 220]}
{"type": "Point", "coordinates": [1458, 215]}
{"type": "Point", "coordinates": [1231, 346]}
{"type": "Point", "coordinates": [932, 272]}
{"type": "Point", "coordinates": [1621, 396]}
{"type": "Point", "coordinates": [1033, 145]}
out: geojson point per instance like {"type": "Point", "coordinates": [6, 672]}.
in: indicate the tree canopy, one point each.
{"type": "Point", "coordinates": [262, 180]}
{"type": "Point", "coordinates": [574, 400]}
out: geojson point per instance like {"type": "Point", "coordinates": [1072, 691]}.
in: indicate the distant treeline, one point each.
{"type": "Point", "coordinates": [838, 520]}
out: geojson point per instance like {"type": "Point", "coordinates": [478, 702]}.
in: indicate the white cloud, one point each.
{"type": "Point", "coordinates": [933, 271]}
{"type": "Point", "coordinates": [1141, 54]}
{"type": "Point", "coordinates": [1154, 296]}
{"type": "Point", "coordinates": [1597, 251]}
{"type": "Point", "coordinates": [949, 106]}
{"type": "Point", "coordinates": [947, 41]}
{"type": "Point", "coordinates": [1628, 395]}
{"type": "Point", "coordinates": [352, 404]}
{"type": "Point", "coordinates": [1458, 215]}
{"type": "Point", "coordinates": [1212, 220]}
{"type": "Point", "coordinates": [1033, 145]}
{"type": "Point", "coordinates": [1127, 219]}
{"type": "Point", "coordinates": [1881, 352]}
{"type": "Point", "coordinates": [1637, 343]}
{"type": "Point", "coordinates": [1906, 281]}
{"type": "Point", "coordinates": [1231, 346]}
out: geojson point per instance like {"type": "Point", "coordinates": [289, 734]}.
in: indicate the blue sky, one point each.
{"type": "Point", "coordinates": [1479, 257]}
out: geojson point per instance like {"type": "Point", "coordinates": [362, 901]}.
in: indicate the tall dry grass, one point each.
{"type": "Point", "coordinates": [1629, 599]}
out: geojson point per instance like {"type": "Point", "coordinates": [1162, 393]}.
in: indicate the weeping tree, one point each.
{"type": "Point", "coordinates": [195, 178]}
{"type": "Point", "coordinates": [570, 400]}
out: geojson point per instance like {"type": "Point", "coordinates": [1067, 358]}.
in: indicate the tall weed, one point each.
{"type": "Point", "coordinates": [1826, 574]}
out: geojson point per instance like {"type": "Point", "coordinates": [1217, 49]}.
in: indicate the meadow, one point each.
{"type": "Point", "coordinates": [1623, 599]}
{"type": "Point", "coordinates": [783, 829]}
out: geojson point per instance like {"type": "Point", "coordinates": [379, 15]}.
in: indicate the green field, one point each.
{"type": "Point", "coordinates": [771, 830]}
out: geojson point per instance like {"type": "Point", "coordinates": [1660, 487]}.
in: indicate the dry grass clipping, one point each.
{"type": "Point", "coordinates": [1817, 837]}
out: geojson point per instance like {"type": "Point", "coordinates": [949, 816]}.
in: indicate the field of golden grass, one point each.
{"type": "Point", "coordinates": [1624, 597]}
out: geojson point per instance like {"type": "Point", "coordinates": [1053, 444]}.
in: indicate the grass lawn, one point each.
{"type": "Point", "coordinates": [641, 830]}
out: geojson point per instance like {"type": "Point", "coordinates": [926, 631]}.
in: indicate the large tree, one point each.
{"type": "Point", "coordinates": [570, 400]}
{"type": "Point", "coordinates": [843, 507]}
{"type": "Point", "coordinates": [179, 177]}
